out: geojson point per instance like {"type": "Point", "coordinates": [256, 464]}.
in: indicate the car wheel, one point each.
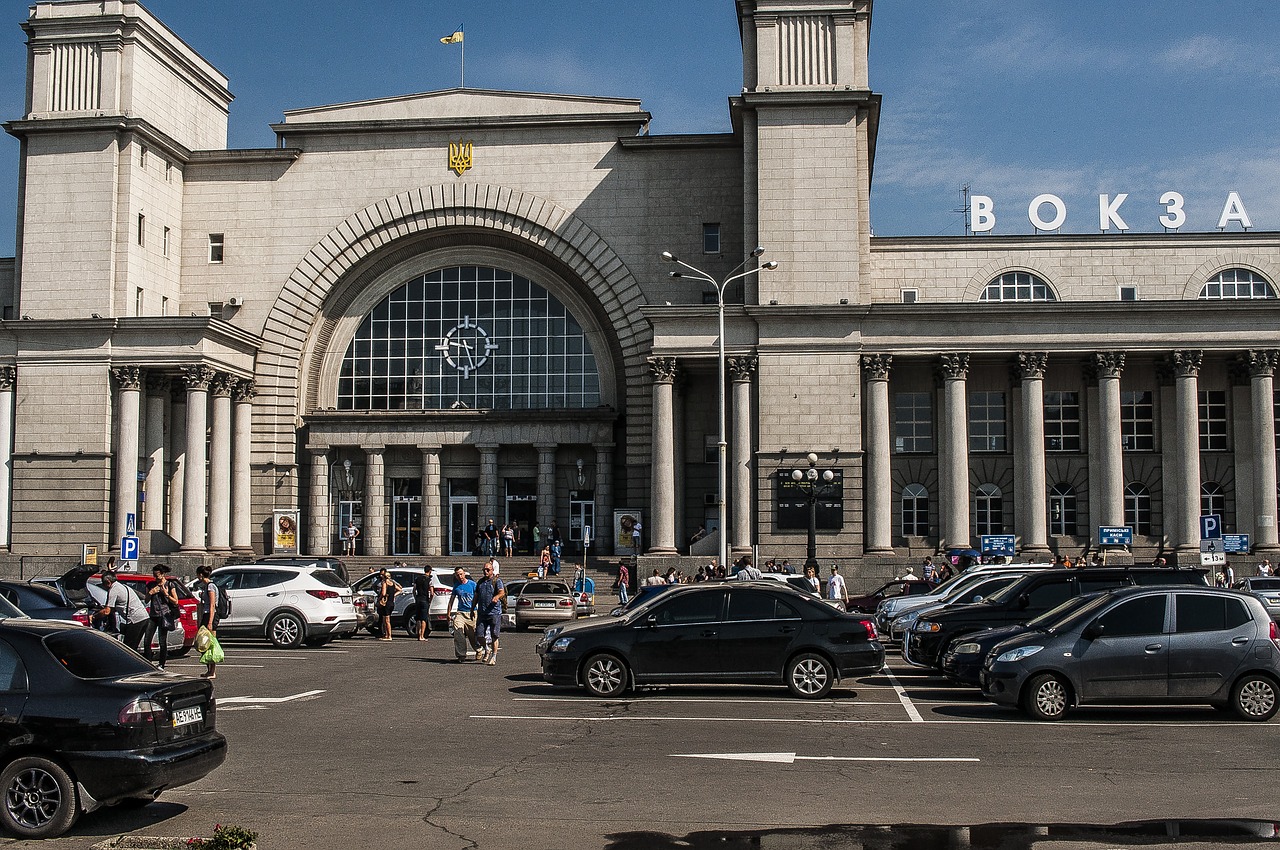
{"type": "Point", "coordinates": [411, 626]}
{"type": "Point", "coordinates": [810, 676]}
{"type": "Point", "coordinates": [1046, 697]}
{"type": "Point", "coordinates": [286, 631]}
{"type": "Point", "coordinates": [605, 675]}
{"type": "Point", "coordinates": [39, 798]}
{"type": "Point", "coordinates": [1254, 698]}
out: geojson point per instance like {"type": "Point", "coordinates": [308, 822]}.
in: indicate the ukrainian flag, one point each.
{"type": "Point", "coordinates": [455, 38]}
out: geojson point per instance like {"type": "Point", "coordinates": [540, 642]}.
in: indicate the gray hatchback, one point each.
{"type": "Point", "coordinates": [1167, 645]}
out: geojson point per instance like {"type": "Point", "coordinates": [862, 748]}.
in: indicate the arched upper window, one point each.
{"type": "Point", "coordinates": [989, 505]}
{"type": "Point", "coordinates": [1018, 286]}
{"type": "Point", "coordinates": [915, 511]}
{"type": "Point", "coordinates": [1062, 510]}
{"type": "Point", "coordinates": [1236, 283]}
{"type": "Point", "coordinates": [1213, 502]}
{"type": "Point", "coordinates": [1137, 508]}
{"type": "Point", "coordinates": [469, 337]}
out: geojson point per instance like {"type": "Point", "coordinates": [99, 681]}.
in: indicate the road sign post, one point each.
{"type": "Point", "coordinates": [1115, 535]}
{"type": "Point", "coordinates": [1212, 554]}
{"type": "Point", "coordinates": [1211, 527]}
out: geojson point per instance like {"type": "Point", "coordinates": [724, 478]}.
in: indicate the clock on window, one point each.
{"type": "Point", "coordinates": [466, 347]}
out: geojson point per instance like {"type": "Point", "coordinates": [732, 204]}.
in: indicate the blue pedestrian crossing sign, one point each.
{"type": "Point", "coordinates": [129, 547]}
{"type": "Point", "coordinates": [130, 525]}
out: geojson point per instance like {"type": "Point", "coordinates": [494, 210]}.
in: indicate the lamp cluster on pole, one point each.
{"type": "Point", "coordinates": [699, 275]}
{"type": "Point", "coordinates": [815, 484]}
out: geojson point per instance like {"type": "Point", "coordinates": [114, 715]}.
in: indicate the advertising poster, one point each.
{"type": "Point", "coordinates": [285, 537]}
{"type": "Point", "coordinates": [627, 531]}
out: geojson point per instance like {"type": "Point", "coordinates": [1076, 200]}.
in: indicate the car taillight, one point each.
{"type": "Point", "coordinates": [871, 630]}
{"type": "Point", "coordinates": [81, 617]}
{"type": "Point", "coordinates": [141, 712]}
{"type": "Point", "coordinates": [568, 603]}
{"type": "Point", "coordinates": [441, 591]}
{"type": "Point", "coordinates": [1275, 634]}
{"type": "Point", "coordinates": [522, 603]}
{"type": "Point", "coordinates": [323, 594]}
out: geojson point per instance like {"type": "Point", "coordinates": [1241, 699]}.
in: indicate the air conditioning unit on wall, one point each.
{"type": "Point", "coordinates": [235, 301]}
{"type": "Point", "coordinates": [711, 499]}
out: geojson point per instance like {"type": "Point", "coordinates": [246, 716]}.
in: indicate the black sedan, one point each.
{"type": "Point", "coordinates": [732, 633]}
{"type": "Point", "coordinates": [88, 722]}
{"type": "Point", "coordinates": [41, 602]}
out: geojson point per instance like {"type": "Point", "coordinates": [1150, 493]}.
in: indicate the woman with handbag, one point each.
{"type": "Point", "coordinates": [162, 611]}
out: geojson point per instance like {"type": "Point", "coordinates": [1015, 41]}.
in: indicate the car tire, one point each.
{"type": "Point", "coordinates": [1046, 697]}
{"type": "Point", "coordinates": [39, 798]}
{"type": "Point", "coordinates": [411, 625]}
{"type": "Point", "coordinates": [605, 675]}
{"type": "Point", "coordinates": [810, 676]}
{"type": "Point", "coordinates": [1254, 697]}
{"type": "Point", "coordinates": [286, 630]}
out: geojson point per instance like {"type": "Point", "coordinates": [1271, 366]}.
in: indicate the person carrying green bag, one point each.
{"type": "Point", "coordinates": [207, 594]}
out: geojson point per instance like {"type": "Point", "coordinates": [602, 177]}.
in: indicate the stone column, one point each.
{"type": "Point", "coordinates": [177, 472]}
{"type": "Point", "coordinates": [319, 535]}
{"type": "Point", "coordinates": [220, 466]}
{"type": "Point", "coordinates": [741, 502]}
{"type": "Point", "coordinates": [604, 543]}
{"type": "Point", "coordinates": [1186, 524]}
{"type": "Point", "coordinates": [153, 518]}
{"type": "Point", "coordinates": [195, 493]}
{"type": "Point", "coordinates": [241, 477]}
{"type": "Point", "coordinates": [433, 518]}
{"type": "Point", "coordinates": [1107, 366]}
{"type": "Point", "coordinates": [377, 526]}
{"type": "Point", "coordinates": [1262, 367]}
{"type": "Point", "coordinates": [489, 485]}
{"type": "Point", "coordinates": [953, 465]}
{"type": "Point", "coordinates": [546, 483]}
{"type": "Point", "coordinates": [878, 493]}
{"type": "Point", "coordinates": [1032, 512]}
{"type": "Point", "coordinates": [129, 380]}
{"type": "Point", "coordinates": [8, 378]}
{"type": "Point", "coordinates": [661, 522]}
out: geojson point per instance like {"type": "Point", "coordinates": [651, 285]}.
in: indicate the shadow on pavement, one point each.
{"type": "Point", "coordinates": [114, 820]}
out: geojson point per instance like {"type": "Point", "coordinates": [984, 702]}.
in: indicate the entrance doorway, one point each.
{"type": "Point", "coordinates": [406, 516]}
{"type": "Point", "coordinates": [582, 514]}
{"type": "Point", "coordinates": [349, 512]}
{"type": "Point", "coordinates": [522, 509]}
{"type": "Point", "coordinates": [464, 515]}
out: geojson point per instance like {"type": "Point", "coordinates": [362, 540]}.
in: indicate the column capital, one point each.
{"type": "Point", "coordinates": [373, 451]}
{"type": "Point", "coordinates": [875, 367]}
{"type": "Point", "coordinates": [318, 452]}
{"type": "Point", "coordinates": [127, 377]}
{"type": "Point", "coordinates": [1261, 364]}
{"type": "Point", "coordinates": [158, 383]}
{"type": "Point", "coordinates": [8, 377]}
{"type": "Point", "coordinates": [741, 368]}
{"type": "Point", "coordinates": [223, 384]}
{"type": "Point", "coordinates": [1185, 363]}
{"type": "Point", "coordinates": [1031, 365]}
{"type": "Point", "coordinates": [244, 390]}
{"type": "Point", "coordinates": [197, 377]}
{"type": "Point", "coordinates": [1105, 364]}
{"type": "Point", "coordinates": [953, 367]}
{"type": "Point", "coordinates": [663, 369]}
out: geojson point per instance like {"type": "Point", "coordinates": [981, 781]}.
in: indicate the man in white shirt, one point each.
{"type": "Point", "coordinates": [746, 572]}
{"type": "Point", "coordinates": [1264, 569]}
{"type": "Point", "coordinates": [493, 562]}
{"type": "Point", "coordinates": [131, 614]}
{"type": "Point", "coordinates": [836, 588]}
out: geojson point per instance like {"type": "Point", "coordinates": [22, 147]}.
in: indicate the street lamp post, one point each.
{"type": "Point", "coordinates": [814, 485]}
{"type": "Point", "coordinates": [719, 285]}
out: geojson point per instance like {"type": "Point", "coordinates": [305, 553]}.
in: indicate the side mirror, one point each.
{"type": "Point", "coordinates": [651, 621]}
{"type": "Point", "coordinates": [1093, 631]}
{"type": "Point", "coordinates": [1024, 601]}
{"type": "Point", "coordinates": [977, 599]}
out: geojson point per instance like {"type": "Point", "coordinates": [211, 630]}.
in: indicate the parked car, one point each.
{"type": "Point", "coordinates": [404, 614]}
{"type": "Point", "coordinates": [78, 588]}
{"type": "Point", "coordinates": [714, 633]}
{"type": "Point", "coordinates": [188, 605]}
{"type": "Point", "coordinates": [314, 562]}
{"type": "Point", "coordinates": [1267, 589]}
{"type": "Point", "coordinates": [967, 593]}
{"type": "Point", "coordinates": [287, 605]}
{"type": "Point", "coordinates": [867, 602]}
{"type": "Point", "coordinates": [543, 601]}
{"type": "Point", "coordinates": [1148, 645]}
{"type": "Point", "coordinates": [89, 722]}
{"type": "Point", "coordinates": [889, 609]}
{"type": "Point", "coordinates": [1027, 597]}
{"type": "Point", "coordinates": [509, 608]}
{"type": "Point", "coordinates": [41, 602]}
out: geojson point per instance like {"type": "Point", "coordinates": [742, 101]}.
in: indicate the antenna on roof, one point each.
{"type": "Point", "coordinates": [965, 208]}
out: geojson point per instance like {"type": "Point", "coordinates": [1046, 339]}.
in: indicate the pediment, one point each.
{"type": "Point", "coordinates": [462, 104]}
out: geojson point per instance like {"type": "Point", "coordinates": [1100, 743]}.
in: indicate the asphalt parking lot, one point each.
{"type": "Point", "coordinates": [364, 743]}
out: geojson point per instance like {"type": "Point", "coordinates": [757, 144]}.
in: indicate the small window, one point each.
{"type": "Point", "coordinates": [142, 229]}
{"type": "Point", "coordinates": [1213, 502]}
{"type": "Point", "coordinates": [711, 238]}
{"type": "Point", "coordinates": [215, 247]}
{"type": "Point", "coordinates": [1236, 284]}
{"type": "Point", "coordinates": [1203, 613]}
{"type": "Point", "coordinates": [1061, 422]}
{"type": "Point", "coordinates": [989, 510]}
{"type": "Point", "coordinates": [1136, 617]}
{"type": "Point", "coordinates": [1018, 286]}
{"type": "Point", "coordinates": [1062, 510]}
{"type": "Point", "coordinates": [915, 511]}
{"type": "Point", "coordinates": [912, 423]}
{"type": "Point", "coordinates": [711, 449]}
{"type": "Point", "coordinates": [1137, 421]}
{"type": "Point", "coordinates": [137, 302]}
{"type": "Point", "coordinates": [1128, 293]}
{"type": "Point", "coordinates": [164, 305]}
{"type": "Point", "coordinates": [164, 242]}
{"type": "Point", "coordinates": [987, 422]}
{"type": "Point", "coordinates": [142, 155]}
{"type": "Point", "coordinates": [1213, 420]}
{"type": "Point", "coordinates": [168, 171]}
{"type": "Point", "coordinates": [8, 314]}
{"type": "Point", "coordinates": [1137, 508]}
{"type": "Point", "coordinates": [910, 296]}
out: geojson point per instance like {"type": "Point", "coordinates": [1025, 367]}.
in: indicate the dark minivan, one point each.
{"type": "Point", "coordinates": [1026, 598]}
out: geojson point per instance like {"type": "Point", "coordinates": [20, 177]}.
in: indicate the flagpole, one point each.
{"type": "Point", "coordinates": [464, 62]}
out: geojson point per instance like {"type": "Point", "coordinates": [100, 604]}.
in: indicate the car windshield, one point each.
{"type": "Point", "coordinates": [1049, 618]}
{"type": "Point", "coordinates": [10, 611]}
{"type": "Point", "coordinates": [1008, 593]}
{"type": "Point", "coordinates": [87, 654]}
{"type": "Point", "coordinates": [328, 577]}
{"type": "Point", "coordinates": [1264, 584]}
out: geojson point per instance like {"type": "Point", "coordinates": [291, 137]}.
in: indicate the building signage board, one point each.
{"type": "Point", "coordinates": [1235, 543]}
{"type": "Point", "coordinates": [627, 531]}
{"type": "Point", "coordinates": [1212, 553]}
{"type": "Point", "coordinates": [1115, 535]}
{"type": "Point", "coordinates": [999, 544]}
{"type": "Point", "coordinates": [285, 532]}
{"type": "Point", "coordinates": [983, 211]}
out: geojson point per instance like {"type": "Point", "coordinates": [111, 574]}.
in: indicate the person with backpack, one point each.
{"type": "Point", "coordinates": [163, 611]}
{"type": "Point", "coordinates": [130, 614]}
{"type": "Point", "coordinates": [213, 605]}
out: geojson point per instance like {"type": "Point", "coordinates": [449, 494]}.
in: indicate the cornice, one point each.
{"type": "Point", "coordinates": [101, 124]}
{"type": "Point", "coordinates": [409, 125]}
{"type": "Point", "coordinates": [706, 140]}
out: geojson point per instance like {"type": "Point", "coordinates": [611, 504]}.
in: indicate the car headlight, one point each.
{"type": "Point", "coordinates": [969, 648]}
{"type": "Point", "coordinates": [926, 626]}
{"type": "Point", "coordinates": [562, 644]}
{"type": "Point", "coordinates": [1018, 654]}
{"type": "Point", "coordinates": [550, 634]}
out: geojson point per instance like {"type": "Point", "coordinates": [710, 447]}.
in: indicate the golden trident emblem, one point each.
{"type": "Point", "coordinates": [459, 157]}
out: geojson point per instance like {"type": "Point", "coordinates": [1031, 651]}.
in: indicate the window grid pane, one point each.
{"type": "Point", "coordinates": [1137, 421]}
{"type": "Point", "coordinates": [1062, 510]}
{"type": "Point", "coordinates": [1234, 284]}
{"type": "Point", "coordinates": [913, 423]}
{"type": "Point", "coordinates": [1018, 286]}
{"type": "Point", "coordinates": [915, 511]}
{"type": "Point", "coordinates": [987, 422]}
{"type": "Point", "coordinates": [1061, 422]}
{"type": "Point", "coordinates": [1137, 509]}
{"type": "Point", "coordinates": [1213, 420]}
{"type": "Point", "coordinates": [989, 510]}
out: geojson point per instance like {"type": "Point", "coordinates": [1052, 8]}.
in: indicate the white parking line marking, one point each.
{"type": "Point", "coordinates": [791, 758]}
{"type": "Point", "coordinates": [696, 700]}
{"type": "Point", "coordinates": [270, 700]}
{"type": "Point", "coordinates": [1047, 727]}
{"type": "Point", "coordinates": [221, 664]}
{"type": "Point", "coordinates": [904, 699]}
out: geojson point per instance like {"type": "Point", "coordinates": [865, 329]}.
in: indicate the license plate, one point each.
{"type": "Point", "coordinates": [544, 604]}
{"type": "Point", "coordinates": [186, 716]}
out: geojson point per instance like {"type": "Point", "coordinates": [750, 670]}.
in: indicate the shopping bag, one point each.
{"type": "Point", "coordinates": [203, 638]}
{"type": "Point", "coordinates": [214, 654]}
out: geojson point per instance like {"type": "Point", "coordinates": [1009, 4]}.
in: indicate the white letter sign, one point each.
{"type": "Point", "coordinates": [1060, 212]}
{"type": "Point", "coordinates": [1109, 212]}
{"type": "Point", "coordinates": [984, 214]}
{"type": "Point", "coordinates": [1175, 216]}
{"type": "Point", "coordinates": [1233, 210]}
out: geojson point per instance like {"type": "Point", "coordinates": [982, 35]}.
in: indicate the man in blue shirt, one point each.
{"type": "Point", "coordinates": [462, 614]}
{"type": "Point", "coordinates": [489, 593]}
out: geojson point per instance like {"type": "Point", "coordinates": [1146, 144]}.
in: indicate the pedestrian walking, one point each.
{"type": "Point", "coordinates": [927, 569]}
{"type": "Point", "coordinates": [423, 590]}
{"type": "Point", "coordinates": [489, 594]}
{"type": "Point", "coordinates": [162, 611]}
{"type": "Point", "coordinates": [387, 590]}
{"type": "Point", "coordinates": [462, 615]}
{"type": "Point", "coordinates": [349, 535]}
{"type": "Point", "coordinates": [509, 540]}
{"type": "Point", "coordinates": [130, 614]}
{"type": "Point", "coordinates": [836, 588]}
{"type": "Point", "coordinates": [544, 562]}
{"type": "Point", "coordinates": [208, 596]}
{"type": "Point", "coordinates": [624, 578]}
{"type": "Point", "coordinates": [555, 556]}
{"type": "Point", "coordinates": [814, 583]}
{"type": "Point", "coordinates": [490, 539]}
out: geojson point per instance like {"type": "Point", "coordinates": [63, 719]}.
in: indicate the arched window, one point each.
{"type": "Point", "coordinates": [1062, 510]}
{"type": "Point", "coordinates": [1018, 286]}
{"type": "Point", "coordinates": [1213, 502]}
{"type": "Point", "coordinates": [469, 337]}
{"type": "Point", "coordinates": [989, 509]}
{"type": "Point", "coordinates": [1236, 284]}
{"type": "Point", "coordinates": [915, 511]}
{"type": "Point", "coordinates": [1137, 509]}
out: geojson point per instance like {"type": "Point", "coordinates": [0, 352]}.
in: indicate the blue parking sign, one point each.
{"type": "Point", "coordinates": [129, 548]}
{"type": "Point", "coordinates": [1211, 527]}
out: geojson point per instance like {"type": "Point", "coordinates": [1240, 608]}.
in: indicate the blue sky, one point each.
{"type": "Point", "coordinates": [1012, 98]}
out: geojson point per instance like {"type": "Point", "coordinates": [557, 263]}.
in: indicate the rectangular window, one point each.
{"type": "Point", "coordinates": [711, 238]}
{"type": "Point", "coordinates": [1128, 293]}
{"type": "Point", "coordinates": [142, 229]}
{"type": "Point", "coordinates": [142, 155]}
{"type": "Point", "coordinates": [910, 296]}
{"type": "Point", "coordinates": [215, 247]}
{"type": "Point", "coordinates": [137, 302]}
{"type": "Point", "coordinates": [1061, 422]}
{"type": "Point", "coordinates": [1137, 421]}
{"type": "Point", "coordinates": [711, 449]}
{"type": "Point", "coordinates": [164, 305]}
{"type": "Point", "coordinates": [1213, 420]}
{"type": "Point", "coordinates": [987, 423]}
{"type": "Point", "coordinates": [913, 423]}
{"type": "Point", "coordinates": [168, 171]}
{"type": "Point", "coordinates": [164, 246]}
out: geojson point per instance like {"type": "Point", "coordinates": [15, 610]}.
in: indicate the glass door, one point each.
{"type": "Point", "coordinates": [463, 524]}
{"type": "Point", "coordinates": [407, 526]}
{"type": "Point", "coordinates": [582, 513]}
{"type": "Point", "coordinates": [348, 512]}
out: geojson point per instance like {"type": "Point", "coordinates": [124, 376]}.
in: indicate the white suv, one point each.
{"type": "Point", "coordinates": [288, 605]}
{"type": "Point", "coordinates": [405, 613]}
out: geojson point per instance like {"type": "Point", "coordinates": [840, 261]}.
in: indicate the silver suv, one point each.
{"type": "Point", "coordinates": [288, 605]}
